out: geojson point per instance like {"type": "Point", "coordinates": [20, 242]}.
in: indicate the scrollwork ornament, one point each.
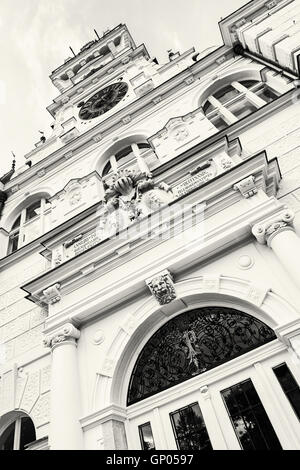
{"type": "Point", "coordinates": [66, 333]}
{"type": "Point", "coordinates": [266, 231]}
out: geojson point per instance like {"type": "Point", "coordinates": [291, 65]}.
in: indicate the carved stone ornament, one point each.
{"type": "Point", "coordinates": [65, 333]}
{"type": "Point", "coordinates": [52, 294]}
{"type": "Point", "coordinates": [162, 287]}
{"type": "Point", "coordinates": [247, 187]}
{"type": "Point", "coordinates": [264, 232]}
{"type": "Point", "coordinates": [74, 193]}
{"type": "Point", "coordinates": [131, 196]}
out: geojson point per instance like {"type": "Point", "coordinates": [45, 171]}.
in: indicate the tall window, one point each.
{"type": "Point", "coordinates": [249, 419]}
{"type": "Point", "coordinates": [146, 437]}
{"type": "Point", "coordinates": [236, 101]}
{"type": "Point", "coordinates": [28, 226]}
{"type": "Point", "coordinates": [18, 434]}
{"type": "Point", "coordinates": [289, 386]}
{"type": "Point", "coordinates": [189, 428]}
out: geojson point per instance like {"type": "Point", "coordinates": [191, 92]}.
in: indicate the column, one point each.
{"type": "Point", "coordinates": [283, 428]}
{"type": "Point", "coordinates": [280, 236]}
{"type": "Point", "coordinates": [211, 421]}
{"type": "Point", "coordinates": [227, 115]}
{"type": "Point", "coordinates": [65, 429]}
{"type": "Point", "coordinates": [141, 162]}
{"type": "Point", "coordinates": [113, 163]}
{"type": "Point", "coordinates": [251, 97]}
{"type": "Point", "coordinates": [114, 435]}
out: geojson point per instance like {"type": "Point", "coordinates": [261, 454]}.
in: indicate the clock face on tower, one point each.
{"type": "Point", "coordinates": [103, 101]}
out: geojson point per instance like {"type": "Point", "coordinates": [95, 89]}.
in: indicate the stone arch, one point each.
{"type": "Point", "coordinates": [113, 379]}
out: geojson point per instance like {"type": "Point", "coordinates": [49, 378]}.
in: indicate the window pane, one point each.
{"type": "Point", "coordinates": [13, 242]}
{"type": "Point", "coordinates": [249, 83]}
{"type": "Point", "coordinates": [189, 429]}
{"type": "Point", "coordinates": [250, 421]}
{"type": "Point", "coordinates": [226, 94]}
{"type": "Point", "coordinates": [267, 94]}
{"type": "Point", "coordinates": [17, 223]}
{"type": "Point", "coordinates": [30, 211]}
{"type": "Point", "coordinates": [242, 109]}
{"type": "Point", "coordinates": [219, 123]}
{"type": "Point", "coordinates": [27, 432]}
{"type": "Point", "coordinates": [146, 437]}
{"type": "Point", "coordinates": [289, 386]}
{"type": "Point", "coordinates": [7, 439]}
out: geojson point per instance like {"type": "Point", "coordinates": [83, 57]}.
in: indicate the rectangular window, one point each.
{"type": "Point", "coordinates": [249, 418]}
{"type": "Point", "coordinates": [189, 428]}
{"type": "Point", "coordinates": [146, 437]}
{"type": "Point", "coordinates": [289, 386]}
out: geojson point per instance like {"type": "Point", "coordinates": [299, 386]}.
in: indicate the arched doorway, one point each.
{"type": "Point", "coordinates": [200, 383]}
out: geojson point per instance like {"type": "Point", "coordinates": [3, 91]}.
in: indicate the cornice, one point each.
{"type": "Point", "coordinates": [86, 52]}
{"type": "Point", "coordinates": [216, 196]}
{"type": "Point", "coordinates": [100, 301]}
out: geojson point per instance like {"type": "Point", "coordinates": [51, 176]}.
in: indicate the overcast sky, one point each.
{"type": "Point", "coordinates": [35, 36]}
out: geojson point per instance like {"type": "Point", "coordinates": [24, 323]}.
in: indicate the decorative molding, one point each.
{"type": "Point", "coordinates": [205, 392]}
{"type": "Point", "coordinates": [247, 187]}
{"type": "Point", "coordinates": [97, 138]}
{"type": "Point", "coordinates": [52, 294]}
{"type": "Point", "coordinates": [211, 283]}
{"type": "Point", "coordinates": [129, 325]}
{"type": "Point", "coordinates": [245, 262]}
{"type": "Point", "coordinates": [257, 295]}
{"type": "Point", "coordinates": [66, 333]}
{"type": "Point", "coordinates": [264, 232]}
{"type": "Point", "coordinates": [98, 337]}
{"type": "Point", "coordinates": [162, 287]}
{"type": "Point", "coordinates": [108, 367]}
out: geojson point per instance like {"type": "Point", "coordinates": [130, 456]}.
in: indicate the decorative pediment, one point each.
{"type": "Point", "coordinates": [181, 132]}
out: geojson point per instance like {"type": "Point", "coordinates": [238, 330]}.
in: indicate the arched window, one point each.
{"type": "Point", "coordinates": [236, 101]}
{"type": "Point", "coordinates": [18, 434]}
{"type": "Point", "coordinates": [28, 225]}
{"type": "Point", "coordinates": [191, 344]}
{"type": "Point", "coordinates": [132, 155]}
{"type": "Point", "coordinates": [124, 157]}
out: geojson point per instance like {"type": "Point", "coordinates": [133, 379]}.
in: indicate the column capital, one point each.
{"type": "Point", "coordinates": [266, 230]}
{"type": "Point", "coordinates": [67, 332]}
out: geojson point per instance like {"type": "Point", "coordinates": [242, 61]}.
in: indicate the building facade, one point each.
{"type": "Point", "coordinates": [150, 249]}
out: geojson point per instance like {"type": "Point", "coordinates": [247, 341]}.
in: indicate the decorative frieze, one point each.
{"type": "Point", "coordinates": [65, 333]}
{"type": "Point", "coordinates": [52, 294]}
{"type": "Point", "coordinates": [264, 232]}
{"type": "Point", "coordinates": [247, 187]}
{"type": "Point", "coordinates": [162, 287]}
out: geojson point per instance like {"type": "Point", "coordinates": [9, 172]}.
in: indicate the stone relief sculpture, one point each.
{"type": "Point", "coordinates": [162, 287]}
{"type": "Point", "coordinates": [131, 196]}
